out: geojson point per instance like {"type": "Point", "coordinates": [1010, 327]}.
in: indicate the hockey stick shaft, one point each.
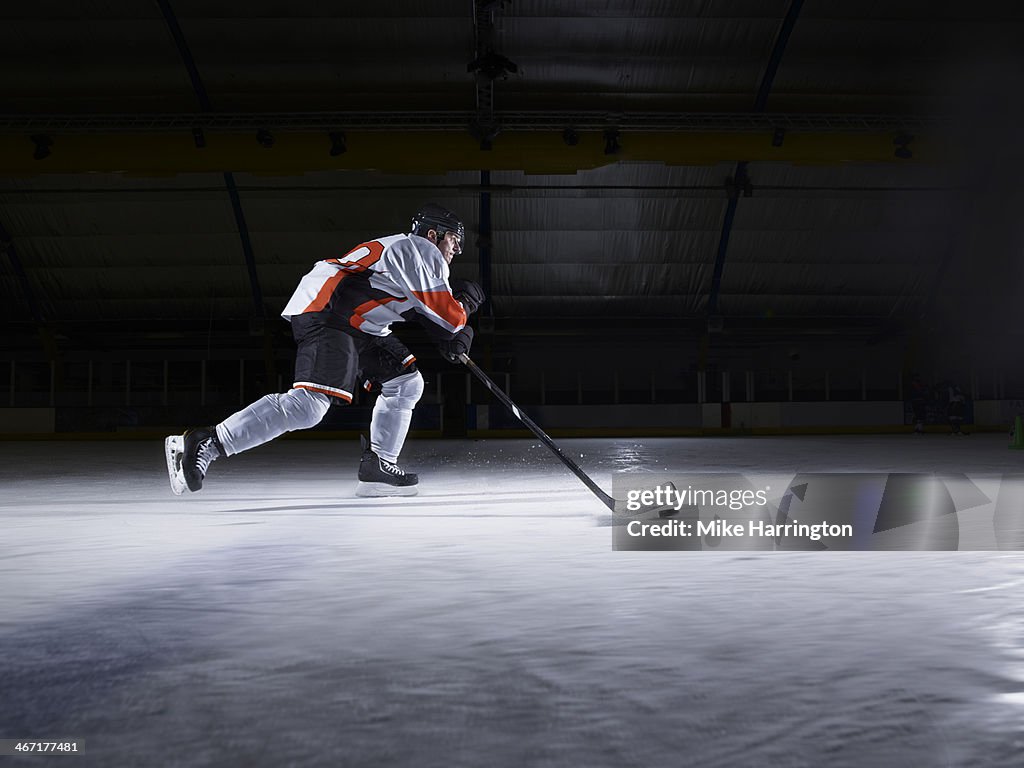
{"type": "Point", "coordinates": [607, 500]}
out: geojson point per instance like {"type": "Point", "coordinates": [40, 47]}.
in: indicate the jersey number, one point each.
{"type": "Point", "coordinates": [361, 257]}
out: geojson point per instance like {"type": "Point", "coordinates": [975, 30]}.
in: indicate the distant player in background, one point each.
{"type": "Point", "coordinates": [341, 315]}
{"type": "Point", "coordinates": [918, 403]}
{"type": "Point", "coordinates": [956, 408]}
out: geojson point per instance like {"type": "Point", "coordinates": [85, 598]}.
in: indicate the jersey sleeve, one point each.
{"type": "Point", "coordinates": [421, 274]}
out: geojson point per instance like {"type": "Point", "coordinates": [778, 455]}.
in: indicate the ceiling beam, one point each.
{"type": "Point", "coordinates": [457, 120]}
{"type": "Point", "coordinates": [438, 152]}
{"type": "Point", "coordinates": [740, 181]}
{"type": "Point", "coordinates": [198, 142]}
{"type": "Point", "coordinates": [198, 88]}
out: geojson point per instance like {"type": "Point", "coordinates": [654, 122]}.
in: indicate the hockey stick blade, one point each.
{"type": "Point", "coordinates": [607, 500]}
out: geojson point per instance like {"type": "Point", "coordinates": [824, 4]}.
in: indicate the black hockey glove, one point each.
{"type": "Point", "coordinates": [457, 345]}
{"type": "Point", "coordinates": [468, 293]}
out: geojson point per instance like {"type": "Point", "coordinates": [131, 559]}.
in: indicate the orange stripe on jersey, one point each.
{"type": "Point", "coordinates": [357, 314]}
{"type": "Point", "coordinates": [359, 259]}
{"type": "Point", "coordinates": [445, 305]}
{"type": "Point", "coordinates": [323, 296]}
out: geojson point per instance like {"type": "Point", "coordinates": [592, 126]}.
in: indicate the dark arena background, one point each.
{"type": "Point", "coordinates": [770, 241]}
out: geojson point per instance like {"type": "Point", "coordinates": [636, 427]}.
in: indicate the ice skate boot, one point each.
{"type": "Point", "coordinates": [379, 477]}
{"type": "Point", "coordinates": [189, 457]}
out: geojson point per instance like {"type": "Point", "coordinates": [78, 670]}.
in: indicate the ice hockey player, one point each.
{"type": "Point", "coordinates": [341, 315]}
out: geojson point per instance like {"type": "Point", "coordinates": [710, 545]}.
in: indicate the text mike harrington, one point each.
{"type": "Point", "coordinates": [669, 496]}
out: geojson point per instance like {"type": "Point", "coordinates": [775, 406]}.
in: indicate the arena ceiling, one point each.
{"type": "Point", "coordinates": [773, 163]}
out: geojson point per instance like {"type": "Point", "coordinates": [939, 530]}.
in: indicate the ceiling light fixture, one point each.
{"type": "Point", "coordinates": [611, 142]}
{"type": "Point", "coordinates": [43, 144]}
{"type": "Point", "coordinates": [902, 142]}
{"type": "Point", "coordinates": [339, 143]}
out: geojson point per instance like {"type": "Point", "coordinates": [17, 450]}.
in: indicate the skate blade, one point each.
{"type": "Point", "coordinates": [173, 447]}
{"type": "Point", "coordinates": [383, 489]}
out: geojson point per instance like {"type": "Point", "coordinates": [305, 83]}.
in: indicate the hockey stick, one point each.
{"type": "Point", "coordinates": [607, 500]}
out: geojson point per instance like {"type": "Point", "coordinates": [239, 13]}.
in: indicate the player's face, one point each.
{"type": "Point", "coordinates": [450, 246]}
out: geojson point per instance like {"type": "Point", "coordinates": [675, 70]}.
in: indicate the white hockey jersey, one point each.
{"type": "Point", "coordinates": [380, 282]}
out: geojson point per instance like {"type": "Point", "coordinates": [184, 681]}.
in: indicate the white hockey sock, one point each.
{"type": "Point", "coordinates": [392, 414]}
{"type": "Point", "coordinates": [270, 417]}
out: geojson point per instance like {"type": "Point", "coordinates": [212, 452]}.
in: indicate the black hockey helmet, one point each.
{"type": "Point", "coordinates": [438, 218]}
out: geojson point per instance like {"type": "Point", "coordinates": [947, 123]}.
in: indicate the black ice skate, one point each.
{"type": "Point", "coordinates": [379, 477]}
{"type": "Point", "coordinates": [189, 457]}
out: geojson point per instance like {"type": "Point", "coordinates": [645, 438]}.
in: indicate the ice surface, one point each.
{"type": "Point", "coordinates": [275, 619]}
